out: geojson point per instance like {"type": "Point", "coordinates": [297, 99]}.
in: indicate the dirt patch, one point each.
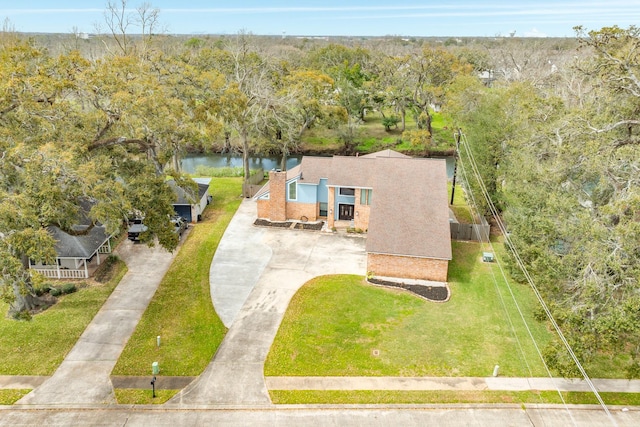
{"type": "Point", "coordinates": [267, 223]}
{"type": "Point", "coordinates": [316, 226]}
{"type": "Point", "coordinates": [306, 226]}
{"type": "Point", "coordinates": [432, 293]}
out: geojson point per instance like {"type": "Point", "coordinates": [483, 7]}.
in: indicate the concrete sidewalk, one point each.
{"type": "Point", "coordinates": [449, 383]}
{"type": "Point", "coordinates": [84, 375]}
{"type": "Point", "coordinates": [370, 383]}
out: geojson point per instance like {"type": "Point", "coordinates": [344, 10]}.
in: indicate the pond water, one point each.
{"type": "Point", "coordinates": [192, 161]}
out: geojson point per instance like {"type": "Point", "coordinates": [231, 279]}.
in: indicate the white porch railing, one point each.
{"type": "Point", "coordinates": [62, 273]}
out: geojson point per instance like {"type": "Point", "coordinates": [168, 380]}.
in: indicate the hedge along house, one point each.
{"type": "Point", "coordinates": [401, 202]}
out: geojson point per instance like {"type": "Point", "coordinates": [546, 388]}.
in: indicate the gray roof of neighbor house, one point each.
{"type": "Point", "coordinates": [78, 246]}
{"type": "Point", "coordinates": [182, 198]}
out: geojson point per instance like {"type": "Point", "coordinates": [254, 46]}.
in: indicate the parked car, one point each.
{"type": "Point", "coordinates": [137, 227]}
{"type": "Point", "coordinates": [179, 225]}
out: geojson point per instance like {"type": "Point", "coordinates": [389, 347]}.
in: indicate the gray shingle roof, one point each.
{"type": "Point", "coordinates": [81, 246]}
{"type": "Point", "coordinates": [182, 198]}
{"type": "Point", "coordinates": [410, 209]}
{"type": "Point", "coordinates": [386, 153]}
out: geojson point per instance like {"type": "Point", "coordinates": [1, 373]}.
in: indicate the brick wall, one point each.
{"type": "Point", "coordinates": [298, 210]}
{"type": "Point", "coordinates": [361, 214]}
{"type": "Point", "coordinates": [264, 208]}
{"type": "Point", "coordinates": [277, 196]}
{"type": "Point", "coordinates": [331, 204]}
{"type": "Point", "coordinates": [407, 267]}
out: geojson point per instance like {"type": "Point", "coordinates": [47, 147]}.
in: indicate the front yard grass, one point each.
{"type": "Point", "coordinates": [38, 346]}
{"type": "Point", "coordinates": [181, 311]}
{"type": "Point", "coordinates": [342, 326]}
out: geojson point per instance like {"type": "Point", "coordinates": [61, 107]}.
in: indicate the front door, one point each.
{"type": "Point", "coordinates": [345, 212]}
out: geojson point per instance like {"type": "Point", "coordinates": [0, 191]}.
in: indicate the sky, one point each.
{"type": "Point", "coordinates": [405, 18]}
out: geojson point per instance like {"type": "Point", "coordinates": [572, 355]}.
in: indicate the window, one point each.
{"type": "Point", "coordinates": [365, 196]}
{"type": "Point", "coordinates": [323, 208]}
{"type": "Point", "coordinates": [347, 191]}
{"type": "Point", "coordinates": [293, 187]}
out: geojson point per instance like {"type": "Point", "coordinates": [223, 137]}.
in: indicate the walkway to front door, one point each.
{"type": "Point", "coordinates": [345, 212]}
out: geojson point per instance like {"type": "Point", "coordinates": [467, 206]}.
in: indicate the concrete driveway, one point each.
{"type": "Point", "coordinates": [84, 375]}
{"type": "Point", "coordinates": [254, 274]}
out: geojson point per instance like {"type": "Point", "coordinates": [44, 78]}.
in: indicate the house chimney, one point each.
{"type": "Point", "coordinates": [277, 195]}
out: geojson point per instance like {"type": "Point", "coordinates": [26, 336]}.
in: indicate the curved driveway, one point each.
{"type": "Point", "coordinates": [254, 274]}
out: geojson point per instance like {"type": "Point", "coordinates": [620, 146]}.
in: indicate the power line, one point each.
{"type": "Point", "coordinates": [530, 281]}
{"type": "Point", "coordinates": [495, 281]}
{"type": "Point", "coordinates": [524, 321]}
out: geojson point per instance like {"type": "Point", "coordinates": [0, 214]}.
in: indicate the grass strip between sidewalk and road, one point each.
{"type": "Point", "coordinates": [446, 396]}
{"type": "Point", "coordinates": [181, 311]}
{"type": "Point", "coordinates": [38, 346]}
{"type": "Point", "coordinates": [11, 396]}
{"type": "Point", "coordinates": [133, 396]}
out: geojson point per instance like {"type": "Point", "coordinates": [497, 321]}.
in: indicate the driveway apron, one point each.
{"type": "Point", "coordinates": [84, 375]}
{"type": "Point", "coordinates": [280, 261]}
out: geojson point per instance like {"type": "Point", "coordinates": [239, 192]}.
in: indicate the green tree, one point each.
{"type": "Point", "coordinates": [571, 196]}
{"type": "Point", "coordinates": [429, 74]}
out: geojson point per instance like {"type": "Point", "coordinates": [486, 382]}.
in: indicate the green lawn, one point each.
{"type": "Point", "coordinates": [440, 396]}
{"type": "Point", "coordinates": [372, 137]}
{"type": "Point", "coordinates": [128, 396]}
{"type": "Point", "coordinates": [11, 396]}
{"type": "Point", "coordinates": [334, 324]}
{"type": "Point", "coordinates": [181, 311]}
{"type": "Point", "coordinates": [38, 346]}
{"type": "Point", "coordinates": [460, 206]}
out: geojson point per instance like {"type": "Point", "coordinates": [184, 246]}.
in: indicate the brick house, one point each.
{"type": "Point", "coordinates": [399, 201]}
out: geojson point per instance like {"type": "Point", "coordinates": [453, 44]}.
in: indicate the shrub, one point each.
{"type": "Point", "coordinates": [41, 288]}
{"type": "Point", "coordinates": [22, 315]}
{"type": "Point", "coordinates": [68, 288]}
{"type": "Point", "coordinates": [389, 122]}
{"type": "Point", "coordinates": [105, 272]}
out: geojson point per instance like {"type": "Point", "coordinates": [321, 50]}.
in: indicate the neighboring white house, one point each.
{"type": "Point", "coordinates": [77, 255]}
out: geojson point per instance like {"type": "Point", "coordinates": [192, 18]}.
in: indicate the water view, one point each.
{"type": "Point", "coordinates": [215, 160]}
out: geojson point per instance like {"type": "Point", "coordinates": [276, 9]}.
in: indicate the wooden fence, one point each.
{"type": "Point", "coordinates": [472, 232]}
{"type": "Point", "coordinates": [250, 188]}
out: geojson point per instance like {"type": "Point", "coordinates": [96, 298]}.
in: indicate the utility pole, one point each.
{"type": "Point", "coordinates": [455, 164]}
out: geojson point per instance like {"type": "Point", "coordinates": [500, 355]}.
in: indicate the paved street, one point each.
{"type": "Point", "coordinates": [399, 415]}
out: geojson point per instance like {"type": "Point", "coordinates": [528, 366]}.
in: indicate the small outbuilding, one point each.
{"type": "Point", "coordinates": [191, 206]}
